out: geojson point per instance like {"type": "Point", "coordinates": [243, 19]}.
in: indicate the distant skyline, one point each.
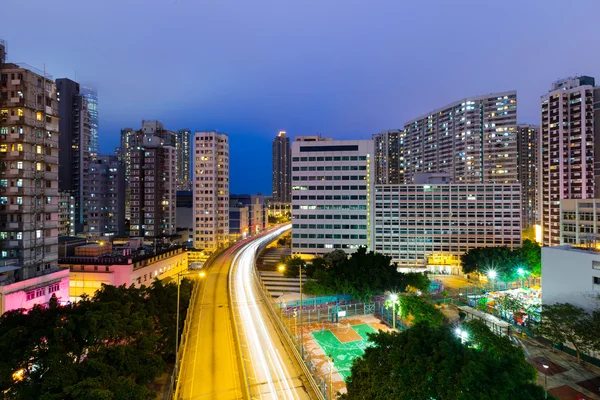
{"type": "Point", "coordinates": [346, 69]}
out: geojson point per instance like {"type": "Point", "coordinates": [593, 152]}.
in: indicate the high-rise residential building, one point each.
{"type": "Point", "coordinates": [184, 151]}
{"type": "Point", "coordinates": [106, 215]}
{"type": "Point", "coordinates": [29, 121]}
{"type": "Point", "coordinates": [76, 149]}
{"type": "Point", "coordinates": [91, 97]}
{"type": "Point", "coordinates": [567, 154]}
{"type": "Point", "coordinates": [256, 210]}
{"type": "Point", "coordinates": [211, 190]}
{"type": "Point", "coordinates": [527, 167]}
{"type": "Point", "coordinates": [474, 139]}
{"type": "Point", "coordinates": [66, 214]}
{"type": "Point", "coordinates": [282, 172]}
{"type": "Point", "coordinates": [153, 185]}
{"type": "Point", "coordinates": [432, 225]}
{"type": "Point", "coordinates": [580, 221]}
{"type": "Point", "coordinates": [332, 184]}
{"type": "Point", "coordinates": [389, 157]}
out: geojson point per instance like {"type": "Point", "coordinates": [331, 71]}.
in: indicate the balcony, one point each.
{"type": "Point", "coordinates": [15, 82]}
{"type": "Point", "coordinates": [15, 207]}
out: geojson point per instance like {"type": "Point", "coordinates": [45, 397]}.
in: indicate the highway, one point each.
{"type": "Point", "coordinates": [211, 367]}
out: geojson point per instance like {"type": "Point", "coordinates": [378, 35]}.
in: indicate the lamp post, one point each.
{"type": "Point", "coordinates": [521, 273]}
{"type": "Point", "coordinates": [492, 274]}
{"type": "Point", "coordinates": [546, 366]}
{"type": "Point", "coordinates": [330, 377]}
{"type": "Point", "coordinates": [301, 307]}
{"type": "Point", "coordinates": [394, 298]}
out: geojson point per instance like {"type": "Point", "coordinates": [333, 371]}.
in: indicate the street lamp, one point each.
{"type": "Point", "coordinates": [281, 268]}
{"type": "Point", "coordinates": [330, 377]}
{"type": "Point", "coordinates": [492, 274]}
{"type": "Point", "coordinates": [394, 298]}
{"type": "Point", "coordinates": [546, 366]}
{"type": "Point", "coordinates": [521, 273]}
{"type": "Point", "coordinates": [463, 335]}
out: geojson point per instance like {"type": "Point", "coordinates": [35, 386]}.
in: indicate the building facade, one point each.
{"type": "Point", "coordinates": [527, 167]}
{"type": "Point", "coordinates": [76, 151]}
{"type": "Point", "coordinates": [282, 169]}
{"type": "Point", "coordinates": [331, 194]}
{"type": "Point", "coordinates": [66, 214]}
{"type": "Point", "coordinates": [567, 152]}
{"type": "Point", "coordinates": [432, 225]}
{"type": "Point", "coordinates": [184, 151]}
{"type": "Point", "coordinates": [474, 139]}
{"type": "Point", "coordinates": [29, 122]}
{"type": "Point", "coordinates": [106, 215]}
{"type": "Point", "coordinates": [91, 102]}
{"type": "Point", "coordinates": [389, 157]}
{"type": "Point", "coordinates": [579, 221]}
{"type": "Point", "coordinates": [239, 226]}
{"type": "Point", "coordinates": [211, 190]}
{"type": "Point", "coordinates": [153, 187]}
{"type": "Point", "coordinates": [256, 210]}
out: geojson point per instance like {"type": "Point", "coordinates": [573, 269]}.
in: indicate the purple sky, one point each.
{"type": "Point", "coordinates": [346, 69]}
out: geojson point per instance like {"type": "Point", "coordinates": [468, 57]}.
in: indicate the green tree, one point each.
{"type": "Point", "coordinates": [425, 362]}
{"type": "Point", "coordinates": [417, 309]}
{"type": "Point", "coordinates": [566, 323]}
{"type": "Point", "coordinates": [293, 264]}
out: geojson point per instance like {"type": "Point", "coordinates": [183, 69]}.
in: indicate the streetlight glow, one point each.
{"type": "Point", "coordinates": [394, 297]}
{"type": "Point", "coordinates": [281, 267]}
{"type": "Point", "coordinates": [492, 274]}
{"type": "Point", "coordinates": [202, 274]}
{"type": "Point", "coordinates": [521, 271]}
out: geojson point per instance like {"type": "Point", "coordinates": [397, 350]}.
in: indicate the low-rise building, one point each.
{"type": "Point", "coordinates": [579, 221]}
{"type": "Point", "coordinates": [432, 225]}
{"type": "Point", "coordinates": [571, 275]}
{"type": "Point", "coordinates": [256, 210]}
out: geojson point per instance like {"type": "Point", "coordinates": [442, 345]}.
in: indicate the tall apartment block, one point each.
{"type": "Point", "coordinates": [29, 272]}
{"type": "Point", "coordinates": [256, 210]}
{"type": "Point", "coordinates": [282, 172]}
{"type": "Point", "coordinates": [431, 225]}
{"type": "Point", "coordinates": [76, 148]}
{"type": "Point", "coordinates": [66, 214]}
{"type": "Point", "coordinates": [474, 139]}
{"type": "Point", "coordinates": [332, 185]}
{"type": "Point", "coordinates": [527, 167]}
{"type": "Point", "coordinates": [388, 163]}
{"type": "Point", "coordinates": [211, 190]}
{"type": "Point", "coordinates": [184, 151]}
{"type": "Point", "coordinates": [569, 125]}
{"type": "Point", "coordinates": [91, 97]}
{"type": "Point", "coordinates": [106, 215]}
{"type": "Point", "coordinates": [153, 187]}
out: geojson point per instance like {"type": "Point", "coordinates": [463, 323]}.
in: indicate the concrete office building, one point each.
{"type": "Point", "coordinates": [66, 214]}
{"type": "Point", "coordinates": [29, 122]}
{"type": "Point", "coordinates": [580, 221]}
{"type": "Point", "coordinates": [282, 169]}
{"type": "Point", "coordinates": [76, 151]}
{"type": "Point", "coordinates": [432, 225]}
{"type": "Point", "coordinates": [567, 152]}
{"type": "Point", "coordinates": [331, 194]}
{"type": "Point", "coordinates": [211, 190]}
{"type": "Point", "coordinates": [106, 207]}
{"type": "Point", "coordinates": [527, 167]}
{"type": "Point", "coordinates": [388, 163]}
{"type": "Point", "coordinates": [571, 275]}
{"type": "Point", "coordinates": [183, 149]}
{"type": "Point", "coordinates": [153, 186]}
{"type": "Point", "coordinates": [473, 139]}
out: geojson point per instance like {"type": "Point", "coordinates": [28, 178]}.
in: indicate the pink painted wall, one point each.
{"type": "Point", "coordinates": [14, 296]}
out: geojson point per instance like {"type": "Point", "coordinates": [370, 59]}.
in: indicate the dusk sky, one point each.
{"type": "Point", "coordinates": [345, 69]}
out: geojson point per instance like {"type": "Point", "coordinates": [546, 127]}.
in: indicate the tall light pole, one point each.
{"type": "Point", "coordinates": [177, 332]}
{"type": "Point", "coordinates": [546, 366]}
{"type": "Point", "coordinates": [394, 298]}
{"type": "Point", "coordinates": [330, 377]}
{"type": "Point", "coordinates": [301, 306]}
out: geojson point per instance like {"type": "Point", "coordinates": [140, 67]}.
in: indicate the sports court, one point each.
{"type": "Point", "coordinates": [345, 343]}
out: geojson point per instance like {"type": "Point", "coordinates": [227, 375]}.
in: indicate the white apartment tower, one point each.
{"type": "Point", "coordinates": [567, 152]}
{"type": "Point", "coordinates": [210, 190]}
{"type": "Point", "coordinates": [332, 185]}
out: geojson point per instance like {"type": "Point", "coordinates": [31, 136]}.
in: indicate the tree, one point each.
{"type": "Point", "coordinates": [293, 264]}
{"type": "Point", "coordinates": [417, 309]}
{"type": "Point", "coordinates": [426, 362]}
{"type": "Point", "coordinates": [566, 323]}
{"type": "Point", "coordinates": [507, 263]}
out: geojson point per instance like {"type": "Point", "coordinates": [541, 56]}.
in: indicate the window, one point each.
{"type": "Point", "coordinates": [596, 280]}
{"type": "Point", "coordinates": [38, 116]}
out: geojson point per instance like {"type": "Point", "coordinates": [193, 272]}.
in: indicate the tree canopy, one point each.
{"type": "Point", "coordinates": [109, 346]}
{"type": "Point", "coordinates": [509, 264]}
{"type": "Point", "coordinates": [416, 309]}
{"type": "Point", "coordinates": [426, 362]}
{"type": "Point", "coordinates": [364, 274]}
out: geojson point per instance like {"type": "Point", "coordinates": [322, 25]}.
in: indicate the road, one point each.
{"type": "Point", "coordinates": [211, 367]}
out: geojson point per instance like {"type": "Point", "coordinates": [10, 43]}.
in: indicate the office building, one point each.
{"type": "Point", "coordinates": [184, 150]}
{"type": "Point", "coordinates": [153, 186]}
{"type": "Point", "coordinates": [91, 102]}
{"type": "Point", "coordinates": [29, 122]}
{"type": "Point", "coordinates": [256, 210]}
{"type": "Point", "coordinates": [331, 194]}
{"type": "Point", "coordinates": [388, 163]}
{"type": "Point", "coordinates": [527, 167]}
{"type": "Point", "coordinates": [282, 169]}
{"type": "Point", "coordinates": [106, 208]}
{"type": "Point", "coordinates": [66, 214]}
{"type": "Point", "coordinates": [75, 144]}
{"type": "Point", "coordinates": [238, 220]}
{"type": "Point", "coordinates": [211, 190]}
{"type": "Point", "coordinates": [571, 275]}
{"type": "Point", "coordinates": [473, 139]}
{"type": "Point", "coordinates": [567, 152]}
{"type": "Point", "coordinates": [432, 225]}
{"type": "Point", "coordinates": [579, 221]}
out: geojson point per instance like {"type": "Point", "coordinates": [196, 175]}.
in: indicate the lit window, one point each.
{"type": "Point", "coordinates": [20, 112]}
{"type": "Point", "coordinates": [38, 149]}
{"type": "Point", "coordinates": [38, 116]}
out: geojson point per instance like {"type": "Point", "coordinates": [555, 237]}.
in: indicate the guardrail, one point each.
{"type": "Point", "coordinates": [317, 385]}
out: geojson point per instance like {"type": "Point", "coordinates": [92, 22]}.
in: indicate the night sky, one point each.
{"type": "Point", "coordinates": [346, 69]}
